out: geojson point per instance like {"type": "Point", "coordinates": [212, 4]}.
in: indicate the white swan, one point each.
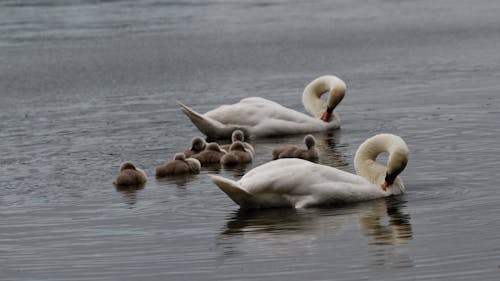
{"type": "Point", "coordinates": [299, 183]}
{"type": "Point", "coordinates": [258, 117]}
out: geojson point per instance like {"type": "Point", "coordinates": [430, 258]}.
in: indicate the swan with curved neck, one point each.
{"type": "Point", "coordinates": [299, 183]}
{"type": "Point", "coordinates": [259, 117]}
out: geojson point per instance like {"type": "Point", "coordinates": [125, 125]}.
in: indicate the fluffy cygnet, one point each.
{"type": "Point", "coordinates": [211, 155]}
{"type": "Point", "coordinates": [129, 175]}
{"type": "Point", "coordinates": [238, 135]}
{"type": "Point", "coordinates": [179, 166]}
{"type": "Point", "coordinates": [292, 151]}
{"type": "Point", "coordinates": [237, 155]}
{"type": "Point", "coordinates": [197, 145]}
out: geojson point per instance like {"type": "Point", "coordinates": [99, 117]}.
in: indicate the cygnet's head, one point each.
{"type": "Point", "coordinates": [180, 156]}
{"type": "Point", "coordinates": [237, 145]}
{"type": "Point", "coordinates": [198, 144]}
{"type": "Point", "coordinates": [237, 135]}
{"type": "Point", "coordinates": [127, 165]}
{"type": "Point", "coordinates": [310, 141]}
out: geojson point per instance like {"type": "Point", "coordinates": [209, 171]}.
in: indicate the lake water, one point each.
{"type": "Point", "coordinates": [85, 85]}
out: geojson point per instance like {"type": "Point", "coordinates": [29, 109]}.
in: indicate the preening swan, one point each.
{"type": "Point", "coordinates": [299, 183]}
{"type": "Point", "coordinates": [258, 117]}
{"type": "Point", "coordinates": [129, 175]}
{"type": "Point", "coordinates": [292, 151]}
{"type": "Point", "coordinates": [238, 135]}
{"type": "Point", "coordinates": [179, 166]}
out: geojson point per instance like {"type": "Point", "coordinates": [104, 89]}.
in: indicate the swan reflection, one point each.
{"type": "Point", "coordinates": [386, 224]}
{"type": "Point", "coordinates": [295, 231]}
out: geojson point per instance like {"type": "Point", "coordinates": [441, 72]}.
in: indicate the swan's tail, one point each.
{"type": "Point", "coordinates": [208, 126]}
{"type": "Point", "coordinates": [233, 190]}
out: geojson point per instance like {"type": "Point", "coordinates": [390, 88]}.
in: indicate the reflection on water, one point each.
{"type": "Point", "coordinates": [383, 221]}
{"type": "Point", "coordinates": [237, 171]}
{"type": "Point", "coordinates": [180, 181]}
{"type": "Point", "coordinates": [386, 224]}
{"type": "Point", "coordinates": [389, 230]}
{"type": "Point", "coordinates": [129, 193]}
{"type": "Point", "coordinates": [329, 154]}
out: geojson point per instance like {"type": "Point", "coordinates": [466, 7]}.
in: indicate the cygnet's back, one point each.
{"type": "Point", "coordinates": [211, 155]}
{"type": "Point", "coordinates": [237, 154]}
{"type": "Point", "coordinates": [179, 166]}
{"type": "Point", "coordinates": [129, 175]}
{"type": "Point", "coordinates": [292, 151]}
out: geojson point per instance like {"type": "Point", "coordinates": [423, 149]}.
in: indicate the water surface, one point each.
{"type": "Point", "coordinates": [88, 84]}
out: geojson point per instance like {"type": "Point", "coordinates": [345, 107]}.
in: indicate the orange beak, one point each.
{"type": "Point", "coordinates": [326, 116]}
{"type": "Point", "coordinates": [385, 185]}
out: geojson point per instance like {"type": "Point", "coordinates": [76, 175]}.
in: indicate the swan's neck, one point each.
{"type": "Point", "coordinates": [367, 167]}
{"type": "Point", "coordinates": [311, 98]}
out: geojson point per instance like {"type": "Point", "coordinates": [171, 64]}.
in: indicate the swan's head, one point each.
{"type": "Point", "coordinates": [127, 165]}
{"type": "Point", "coordinates": [366, 155]}
{"type": "Point", "coordinates": [327, 84]}
{"type": "Point", "coordinates": [395, 165]}
{"type": "Point", "coordinates": [237, 145]}
{"type": "Point", "coordinates": [337, 93]}
{"type": "Point", "coordinates": [180, 156]}
{"type": "Point", "coordinates": [198, 144]}
{"type": "Point", "coordinates": [237, 136]}
{"type": "Point", "coordinates": [310, 141]}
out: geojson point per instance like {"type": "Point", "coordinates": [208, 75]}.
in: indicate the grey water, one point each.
{"type": "Point", "coordinates": [87, 84]}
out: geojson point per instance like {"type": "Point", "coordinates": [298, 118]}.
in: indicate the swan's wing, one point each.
{"type": "Point", "coordinates": [303, 183]}
{"type": "Point", "coordinates": [207, 125]}
{"type": "Point", "coordinates": [232, 189]}
{"type": "Point", "coordinates": [253, 111]}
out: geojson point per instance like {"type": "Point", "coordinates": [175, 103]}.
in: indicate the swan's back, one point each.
{"type": "Point", "coordinates": [302, 183]}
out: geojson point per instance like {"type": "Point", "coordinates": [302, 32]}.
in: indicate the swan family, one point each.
{"type": "Point", "coordinates": [293, 178]}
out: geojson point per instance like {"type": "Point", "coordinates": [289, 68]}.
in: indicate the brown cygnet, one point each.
{"type": "Point", "coordinates": [179, 166]}
{"type": "Point", "coordinates": [237, 155]}
{"type": "Point", "coordinates": [211, 155]}
{"type": "Point", "coordinates": [129, 175]}
{"type": "Point", "coordinates": [238, 135]}
{"type": "Point", "coordinates": [292, 151]}
{"type": "Point", "coordinates": [197, 145]}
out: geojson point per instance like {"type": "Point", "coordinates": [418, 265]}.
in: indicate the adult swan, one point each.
{"type": "Point", "coordinates": [259, 117]}
{"type": "Point", "coordinates": [299, 183]}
